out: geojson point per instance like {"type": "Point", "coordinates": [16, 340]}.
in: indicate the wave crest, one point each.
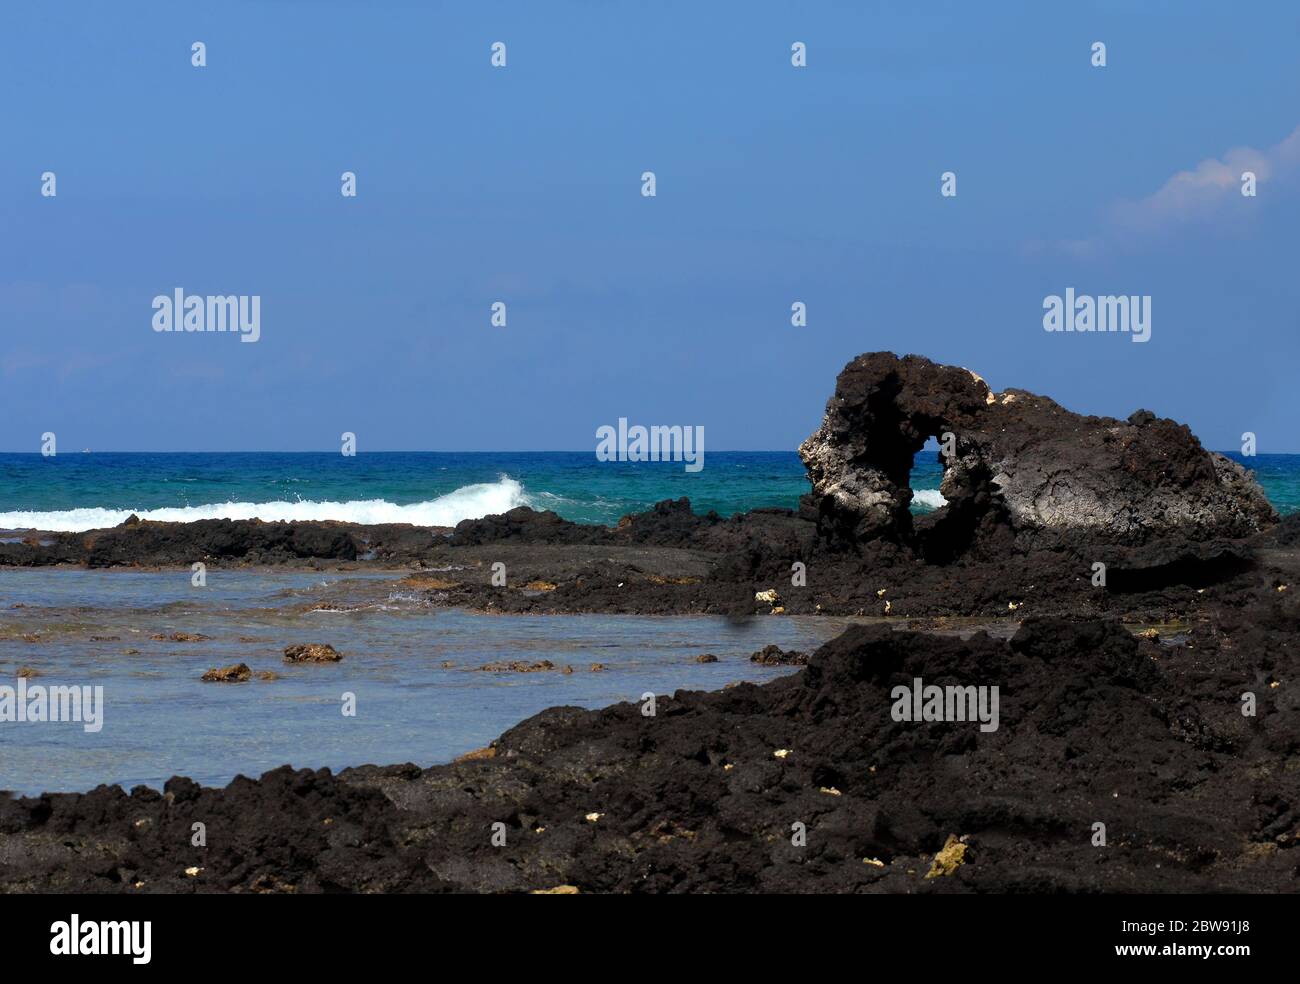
{"type": "Point", "coordinates": [466, 502]}
{"type": "Point", "coordinates": [930, 498]}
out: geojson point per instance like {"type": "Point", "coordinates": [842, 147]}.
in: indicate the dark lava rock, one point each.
{"type": "Point", "coordinates": [1019, 457]}
{"type": "Point", "coordinates": [217, 541]}
{"type": "Point", "coordinates": [670, 523]}
{"type": "Point", "coordinates": [776, 656]}
{"type": "Point", "coordinates": [239, 673]}
{"type": "Point", "coordinates": [1094, 726]}
{"type": "Point", "coordinates": [1038, 497]}
{"type": "Point", "coordinates": [517, 666]}
{"type": "Point", "coordinates": [1188, 562]}
{"type": "Point", "coordinates": [312, 653]}
{"type": "Point", "coordinates": [523, 523]}
{"type": "Point", "coordinates": [1286, 533]}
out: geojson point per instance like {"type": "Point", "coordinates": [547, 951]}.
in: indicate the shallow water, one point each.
{"type": "Point", "coordinates": [161, 720]}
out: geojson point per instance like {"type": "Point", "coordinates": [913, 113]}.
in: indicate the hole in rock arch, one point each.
{"type": "Point", "coordinates": [944, 529]}
{"type": "Point", "coordinates": [925, 478]}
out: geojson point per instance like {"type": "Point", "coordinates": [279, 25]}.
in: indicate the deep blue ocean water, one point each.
{"type": "Point", "coordinates": [80, 491]}
{"type": "Point", "coordinates": [410, 664]}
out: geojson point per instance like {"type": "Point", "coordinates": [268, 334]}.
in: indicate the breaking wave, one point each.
{"type": "Point", "coordinates": [930, 498]}
{"type": "Point", "coordinates": [467, 502]}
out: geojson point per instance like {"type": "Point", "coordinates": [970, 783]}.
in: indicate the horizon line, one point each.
{"type": "Point", "coordinates": [391, 451]}
{"type": "Point", "coordinates": [795, 451]}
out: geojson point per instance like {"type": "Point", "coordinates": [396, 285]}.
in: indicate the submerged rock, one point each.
{"type": "Point", "coordinates": [312, 653]}
{"type": "Point", "coordinates": [518, 666]}
{"type": "Point", "coordinates": [776, 656]}
{"type": "Point", "coordinates": [238, 673]}
{"type": "Point", "coordinates": [1094, 724]}
{"type": "Point", "coordinates": [1019, 460]}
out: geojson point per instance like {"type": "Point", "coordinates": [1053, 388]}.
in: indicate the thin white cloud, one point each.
{"type": "Point", "coordinates": [1210, 191]}
{"type": "Point", "coordinates": [1205, 189]}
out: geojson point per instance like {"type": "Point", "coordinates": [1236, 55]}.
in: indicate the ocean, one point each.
{"type": "Point", "coordinates": [411, 665]}
{"type": "Point", "coordinates": [82, 491]}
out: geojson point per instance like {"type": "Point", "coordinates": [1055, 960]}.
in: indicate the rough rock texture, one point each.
{"type": "Point", "coordinates": [1018, 455]}
{"type": "Point", "coordinates": [1095, 726]}
{"type": "Point", "coordinates": [238, 673]}
{"type": "Point", "coordinates": [219, 542]}
{"type": "Point", "coordinates": [776, 656]}
{"type": "Point", "coordinates": [316, 652]}
{"type": "Point", "coordinates": [517, 666]}
{"type": "Point", "coordinates": [1144, 734]}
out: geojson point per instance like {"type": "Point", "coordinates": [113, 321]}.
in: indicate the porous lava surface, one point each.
{"type": "Point", "coordinates": [1038, 465]}
{"type": "Point", "coordinates": [1064, 536]}
{"type": "Point", "coordinates": [1096, 726]}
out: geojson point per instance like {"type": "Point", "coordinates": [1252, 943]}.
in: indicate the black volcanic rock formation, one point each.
{"type": "Point", "coordinates": [1020, 459]}
{"type": "Point", "coordinates": [1095, 726]}
{"type": "Point", "coordinates": [1038, 497]}
{"type": "Point", "coordinates": [1180, 738]}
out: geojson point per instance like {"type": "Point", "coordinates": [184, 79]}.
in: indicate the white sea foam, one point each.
{"type": "Point", "coordinates": [929, 497]}
{"type": "Point", "coordinates": [467, 502]}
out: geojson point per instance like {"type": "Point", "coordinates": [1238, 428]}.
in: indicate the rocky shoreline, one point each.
{"type": "Point", "coordinates": [1097, 726]}
{"type": "Point", "coordinates": [1059, 530]}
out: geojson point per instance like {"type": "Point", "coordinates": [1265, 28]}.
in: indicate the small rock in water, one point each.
{"type": "Point", "coordinates": [776, 656]}
{"type": "Point", "coordinates": [312, 653]}
{"type": "Point", "coordinates": [517, 666]}
{"type": "Point", "coordinates": [238, 673]}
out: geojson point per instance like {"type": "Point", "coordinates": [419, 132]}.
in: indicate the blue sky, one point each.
{"type": "Point", "coordinates": [522, 184]}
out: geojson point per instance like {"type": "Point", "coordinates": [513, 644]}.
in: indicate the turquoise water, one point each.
{"type": "Point", "coordinates": [410, 666]}
{"type": "Point", "coordinates": [85, 491]}
{"type": "Point", "coordinates": [96, 629]}
{"type": "Point", "coordinates": [88, 491]}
